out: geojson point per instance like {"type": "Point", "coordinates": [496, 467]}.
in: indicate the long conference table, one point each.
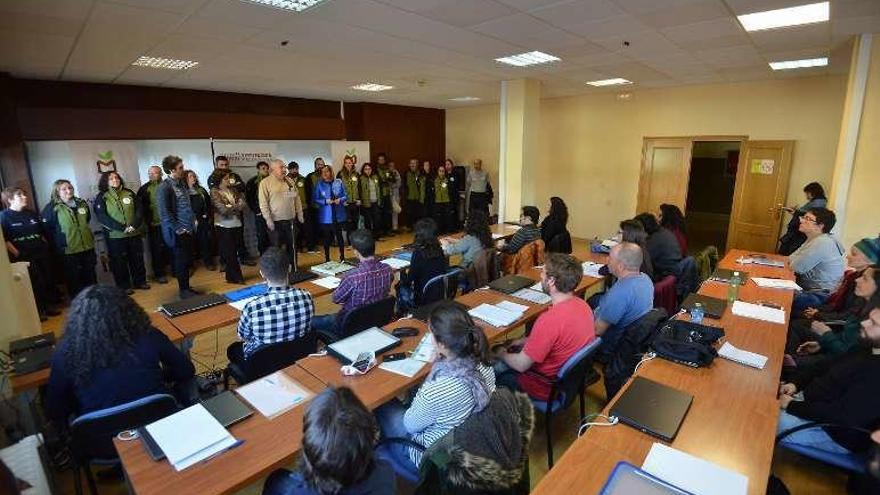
{"type": "Point", "coordinates": [732, 421]}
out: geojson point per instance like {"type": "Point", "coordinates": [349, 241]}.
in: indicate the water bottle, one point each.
{"type": "Point", "coordinates": [697, 313]}
{"type": "Point", "coordinates": [733, 287]}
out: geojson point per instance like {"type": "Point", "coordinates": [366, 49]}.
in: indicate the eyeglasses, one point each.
{"type": "Point", "coordinates": [808, 219]}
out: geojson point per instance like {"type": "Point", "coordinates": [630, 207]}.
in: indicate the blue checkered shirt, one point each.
{"type": "Point", "coordinates": [280, 315]}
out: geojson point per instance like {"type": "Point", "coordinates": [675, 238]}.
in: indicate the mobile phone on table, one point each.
{"type": "Point", "coordinates": [362, 362]}
{"type": "Point", "coordinates": [395, 356]}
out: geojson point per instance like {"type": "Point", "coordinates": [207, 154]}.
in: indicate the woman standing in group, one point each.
{"type": "Point", "coordinates": [330, 198]}
{"type": "Point", "coordinates": [67, 222]}
{"type": "Point", "coordinates": [370, 191]}
{"type": "Point", "coordinates": [349, 177]}
{"type": "Point", "coordinates": [443, 209]}
{"type": "Point", "coordinates": [26, 241]}
{"type": "Point", "coordinates": [554, 225]}
{"type": "Point", "coordinates": [201, 206]}
{"type": "Point", "coordinates": [120, 214]}
{"type": "Point", "coordinates": [228, 203]}
{"type": "Point", "coordinates": [426, 190]}
{"type": "Point", "coordinates": [793, 237]}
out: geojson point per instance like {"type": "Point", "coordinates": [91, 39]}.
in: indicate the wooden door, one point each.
{"type": "Point", "coordinates": [761, 186]}
{"type": "Point", "coordinates": [666, 164]}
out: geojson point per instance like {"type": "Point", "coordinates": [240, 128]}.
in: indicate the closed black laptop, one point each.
{"type": "Point", "coordinates": [301, 276]}
{"type": "Point", "coordinates": [653, 408]}
{"type": "Point", "coordinates": [31, 353]}
{"type": "Point", "coordinates": [192, 304]}
{"type": "Point", "coordinates": [712, 306]}
{"type": "Point", "coordinates": [510, 284]}
{"type": "Point", "coordinates": [423, 312]}
{"type": "Point", "coordinates": [724, 275]}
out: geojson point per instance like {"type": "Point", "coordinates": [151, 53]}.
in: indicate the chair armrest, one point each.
{"type": "Point", "coordinates": [811, 425]}
{"type": "Point", "coordinates": [402, 440]}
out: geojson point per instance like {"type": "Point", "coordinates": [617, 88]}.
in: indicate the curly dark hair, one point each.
{"type": "Point", "coordinates": [426, 241]}
{"type": "Point", "coordinates": [104, 184]}
{"type": "Point", "coordinates": [672, 218]}
{"type": "Point", "coordinates": [558, 211]}
{"type": "Point", "coordinates": [103, 323]}
{"type": "Point", "coordinates": [478, 226]}
{"type": "Point", "coordinates": [648, 221]}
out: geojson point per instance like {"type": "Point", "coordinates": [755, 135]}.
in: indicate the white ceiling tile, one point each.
{"type": "Point", "coordinates": [697, 32]}
{"type": "Point", "coordinates": [740, 7]}
{"type": "Point", "coordinates": [688, 13]}
{"type": "Point", "coordinates": [630, 70]}
{"type": "Point", "coordinates": [204, 27]}
{"type": "Point", "coordinates": [575, 12]}
{"type": "Point", "coordinates": [597, 59]}
{"type": "Point", "coordinates": [735, 56]}
{"type": "Point", "coordinates": [855, 25]}
{"type": "Point", "coordinates": [749, 73]}
{"type": "Point", "coordinates": [813, 35]}
{"type": "Point", "coordinates": [145, 75]}
{"type": "Point", "coordinates": [243, 13]}
{"type": "Point", "coordinates": [641, 43]}
{"type": "Point", "coordinates": [526, 5]}
{"type": "Point", "coordinates": [700, 79]}
{"type": "Point", "coordinates": [524, 30]}
{"type": "Point", "coordinates": [32, 23]}
{"type": "Point", "coordinates": [461, 13]}
{"type": "Point", "coordinates": [173, 6]}
{"type": "Point", "coordinates": [854, 8]}
{"type": "Point", "coordinates": [33, 53]}
{"type": "Point", "coordinates": [68, 9]}
{"type": "Point", "coordinates": [613, 26]}
{"type": "Point", "coordinates": [644, 6]}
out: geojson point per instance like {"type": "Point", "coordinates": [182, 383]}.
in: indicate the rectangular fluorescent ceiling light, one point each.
{"type": "Point", "coordinates": [610, 82]}
{"type": "Point", "coordinates": [526, 59]}
{"type": "Point", "coordinates": [791, 16]}
{"type": "Point", "coordinates": [371, 87]}
{"type": "Point", "coordinates": [465, 98]}
{"type": "Point", "coordinates": [164, 63]}
{"type": "Point", "coordinates": [799, 64]}
{"type": "Point", "coordinates": [294, 5]}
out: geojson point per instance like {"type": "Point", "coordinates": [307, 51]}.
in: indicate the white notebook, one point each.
{"type": "Point", "coordinates": [592, 269]}
{"type": "Point", "coordinates": [728, 351]}
{"type": "Point", "coordinates": [531, 295]}
{"type": "Point", "coordinates": [189, 436]}
{"type": "Point", "coordinates": [274, 394]}
{"type": "Point", "coordinates": [776, 283]}
{"type": "Point", "coordinates": [396, 263]}
{"type": "Point", "coordinates": [758, 312]}
{"type": "Point", "coordinates": [692, 474]}
{"type": "Point", "coordinates": [425, 351]}
{"type": "Point", "coordinates": [328, 282]}
{"type": "Point", "coordinates": [512, 307]}
{"type": "Point", "coordinates": [407, 367]}
{"type": "Point", "coordinates": [493, 315]}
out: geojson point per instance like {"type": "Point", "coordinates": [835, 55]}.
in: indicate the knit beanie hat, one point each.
{"type": "Point", "coordinates": [871, 248]}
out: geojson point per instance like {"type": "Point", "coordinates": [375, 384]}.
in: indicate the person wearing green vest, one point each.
{"type": "Point", "coordinates": [442, 207]}
{"type": "Point", "coordinates": [415, 187]}
{"type": "Point", "coordinates": [121, 215]}
{"type": "Point", "coordinates": [304, 228]}
{"type": "Point", "coordinates": [386, 182]}
{"type": "Point", "coordinates": [160, 255]}
{"type": "Point", "coordinates": [250, 197]}
{"type": "Point", "coordinates": [67, 223]}
{"type": "Point", "coordinates": [371, 197]}
{"type": "Point", "coordinates": [350, 178]}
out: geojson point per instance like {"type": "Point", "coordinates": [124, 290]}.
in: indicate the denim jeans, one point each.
{"type": "Point", "coordinates": [390, 419]}
{"type": "Point", "coordinates": [326, 324]}
{"type": "Point", "coordinates": [506, 377]}
{"type": "Point", "coordinates": [815, 438]}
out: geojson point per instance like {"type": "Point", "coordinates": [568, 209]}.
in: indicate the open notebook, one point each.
{"type": "Point", "coordinates": [189, 436]}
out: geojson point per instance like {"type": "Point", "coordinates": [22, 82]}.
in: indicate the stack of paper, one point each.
{"type": "Point", "coordinates": [328, 282]}
{"type": "Point", "coordinates": [331, 268]}
{"type": "Point", "coordinates": [761, 261]}
{"type": "Point", "coordinates": [274, 394]}
{"type": "Point", "coordinates": [190, 436]}
{"type": "Point", "coordinates": [758, 312]}
{"type": "Point", "coordinates": [592, 269]}
{"type": "Point", "coordinates": [407, 367]}
{"type": "Point", "coordinates": [241, 303]}
{"type": "Point", "coordinates": [396, 263]}
{"type": "Point", "coordinates": [512, 307]}
{"type": "Point", "coordinates": [776, 283]}
{"type": "Point", "coordinates": [425, 351]}
{"type": "Point", "coordinates": [692, 474]}
{"type": "Point", "coordinates": [494, 315]}
{"type": "Point", "coordinates": [728, 351]}
{"type": "Point", "coordinates": [535, 296]}
{"type": "Point", "coordinates": [537, 287]}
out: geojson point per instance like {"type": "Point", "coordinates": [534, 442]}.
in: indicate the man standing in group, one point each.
{"type": "Point", "coordinates": [148, 197]}
{"type": "Point", "coordinates": [222, 163]}
{"type": "Point", "coordinates": [415, 184]}
{"type": "Point", "coordinates": [312, 180]}
{"type": "Point", "coordinates": [178, 220]}
{"type": "Point", "coordinates": [386, 180]}
{"type": "Point", "coordinates": [253, 202]}
{"type": "Point", "coordinates": [303, 228]}
{"type": "Point", "coordinates": [456, 177]}
{"type": "Point", "coordinates": [281, 206]}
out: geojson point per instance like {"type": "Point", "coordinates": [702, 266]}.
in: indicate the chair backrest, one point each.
{"type": "Point", "coordinates": [560, 243]}
{"type": "Point", "coordinates": [570, 378]}
{"type": "Point", "coordinates": [706, 261]}
{"type": "Point", "coordinates": [687, 279]}
{"type": "Point", "coordinates": [443, 286]}
{"type": "Point", "coordinates": [664, 294]}
{"type": "Point", "coordinates": [635, 341]}
{"type": "Point", "coordinates": [485, 268]}
{"type": "Point", "coordinates": [530, 255]}
{"type": "Point", "coordinates": [91, 434]}
{"type": "Point", "coordinates": [273, 357]}
{"type": "Point", "coordinates": [375, 314]}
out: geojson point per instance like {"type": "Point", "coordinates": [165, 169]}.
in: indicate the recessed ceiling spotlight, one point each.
{"type": "Point", "coordinates": [526, 59]}
{"type": "Point", "coordinates": [791, 16]}
{"type": "Point", "coordinates": [371, 87]}
{"type": "Point", "coordinates": [609, 82]}
{"type": "Point", "coordinates": [164, 63]}
{"type": "Point", "coordinates": [799, 64]}
{"type": "Point", "coordinates": [294, 5]}
{"type": "Point", "coordinates": [465, 98]}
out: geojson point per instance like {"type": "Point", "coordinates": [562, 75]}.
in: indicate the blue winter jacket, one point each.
{"type": "Point", "coordinates": [325, 191]}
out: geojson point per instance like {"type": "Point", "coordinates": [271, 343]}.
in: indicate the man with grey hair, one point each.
{"type": "Point", "coordinates": [280, 205]}
{"type": "Point", "coordinates": [159, 252]}
{"type": "Point", "coordinates": [630, 298]}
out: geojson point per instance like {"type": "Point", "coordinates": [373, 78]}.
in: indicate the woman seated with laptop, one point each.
{"type": "Point", "coordinates": [428, 261]}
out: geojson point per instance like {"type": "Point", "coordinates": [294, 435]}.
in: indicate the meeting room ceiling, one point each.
{"type": "Point", "coordinates": [430, 50]}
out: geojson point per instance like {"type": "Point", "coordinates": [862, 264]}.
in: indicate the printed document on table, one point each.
{"type": "Point", "coordinates": [328, 282]}
{"type": "Point", "coordinates": [407, 367]}
{"type": "Point", "coordinates": [776, 283]}
{"type": "Point", "coordinates": [512, 307]}
{"type": "Point", "coordinates": [241, 303]}
{"type": "Point", "coordinates": [728, 351]}
{"type": "Point", "coordinates": [494, 315]}
{"type": "Point", "coordinates": [758, 312]}
{"type": "Point", "coordinates": [692, 474]}
{"type": "Point", "coordinates": [189, 436]}
{"type": "Point", "coordinates": [592, 269]}
{"type": "Point", "coordinates": [396, 263]}
{"type": "Point", "coordinates": [425, 351]}
{"type": "Point", "coordinates": [535, 296]}
{"type": "Point", "coordinates": [274, 394]}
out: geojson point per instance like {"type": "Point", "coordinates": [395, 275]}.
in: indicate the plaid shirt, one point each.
{"type": "Point", "coordinates": [281, 315]}
{"type": "Point", "coordinates": [368, 283]}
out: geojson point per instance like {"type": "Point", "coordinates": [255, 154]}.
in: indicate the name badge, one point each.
{"type": "Point", "coordinates": [299, 184]}
{"type": "Point", "coordinates": [354, 179]}
{"type": "Point", "coordinates": [126, 201]}
{"type": "Point", "coordinates": [443, 185]}
{"type": "Point", "coordinates": [81, 210]}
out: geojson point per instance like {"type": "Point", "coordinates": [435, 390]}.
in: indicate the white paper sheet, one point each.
{"type": "Point", "coordinates": [776, 283]}
{"type": "Point", "coordinates": [497, 236]}
{"type": "Point", "coordinates": [328, 282]}
{"type": "Point", "coordinates": [425, 351]}
{"type": "Point", "coordinates": [241, 303]}
{"type": "Point", "coordinates": [728, 351]}
{"type": "Point", "coordinates": [494, 315]}
{"type": "Point", "coordinates": [274, 394]}
{"type": "Point", "coordinates": [537, 287]}
{"type": "Point", "coordinates": [535, 296]}
{"type": "Point", "coordinates": [758, 312]}
{"type": "Point", "coordinates": [512, 307]}
{"type": "Point", "coordinates": [592, 269]}
{"type": "Point", "coordinates": [396, 263]}
{"type": "Point", "coordinates": [189, 436]}
{"type": "Point", "coordinates": [406, 367]}
{"type": "Point", "coordinates": [693, 474]}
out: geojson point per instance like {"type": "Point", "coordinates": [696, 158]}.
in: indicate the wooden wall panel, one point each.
{"type": "Point", "coordinates": [400, 131]}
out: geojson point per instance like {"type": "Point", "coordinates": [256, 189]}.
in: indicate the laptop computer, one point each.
{"type": "Point", "coordinates": [372, 339]}
{"type": "Point", "coordinates": [724, 275]}
{"type": "Point", "coordinates": [652, 408]}
{"type": "Point", "coordinates": [712, 306]}
{"type": "Point", "coordinates": [195, 303]}
{"type": "Point", "coordinates": [423, 312]}
{"type": "Point", "coordinates": [301, 276]}
{"type": "Point", "coordinates": [31, 353]}
{"type": "Point", "coordinates": [510, 283]}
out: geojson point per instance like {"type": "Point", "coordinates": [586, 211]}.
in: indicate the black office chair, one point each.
{"type": "Point", "coordinates": [91, 435]}
{"type": "Point", "coordinates": [571, 381]}
{"type": "Point", "coordinates": [443, 286]}
{"type": "Point", "coordinates": [269, 359]}
{"type": "Point", "coordinates": [635, 341]}
{"type": "Point", "coordinates": [376, 314]}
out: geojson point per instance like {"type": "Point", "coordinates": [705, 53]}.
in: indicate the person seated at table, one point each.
{"type": "Point", "coordinates": [282, 314]}
{"type": "Point", "coordinates": [558, 333]}
{"type": "Point", "coordinates": [111, 354]}
{"type": "Point", "coordinates": [477, 237]}
{"type": "Point", "coordinates": [672, 219]}
{"type": "Point", "coordinates": [663, 247]}
{"type": "Point", "coordinates": [366, 284]}
{"type": "Point", "coordinates": [843, 302]}
{"type": "Point", "coordinates": [556, 221]}
{"type": "Point", "coordinates": [428, 261]}
{"type": "Point", "coordinates": [528, 232]}
{"type": "Point", "coordinates": [339, 435]}
{"type": "Point", "coordinates": [633, 231]}
{"type": "Point", "coordinates": [843, 391]}
{"type": "Point", "coordinates": [818, 263]}
{"type": "Point", "coordinates": [460, 384]}
{"type": "Point", "coordinates": [630, 298]}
